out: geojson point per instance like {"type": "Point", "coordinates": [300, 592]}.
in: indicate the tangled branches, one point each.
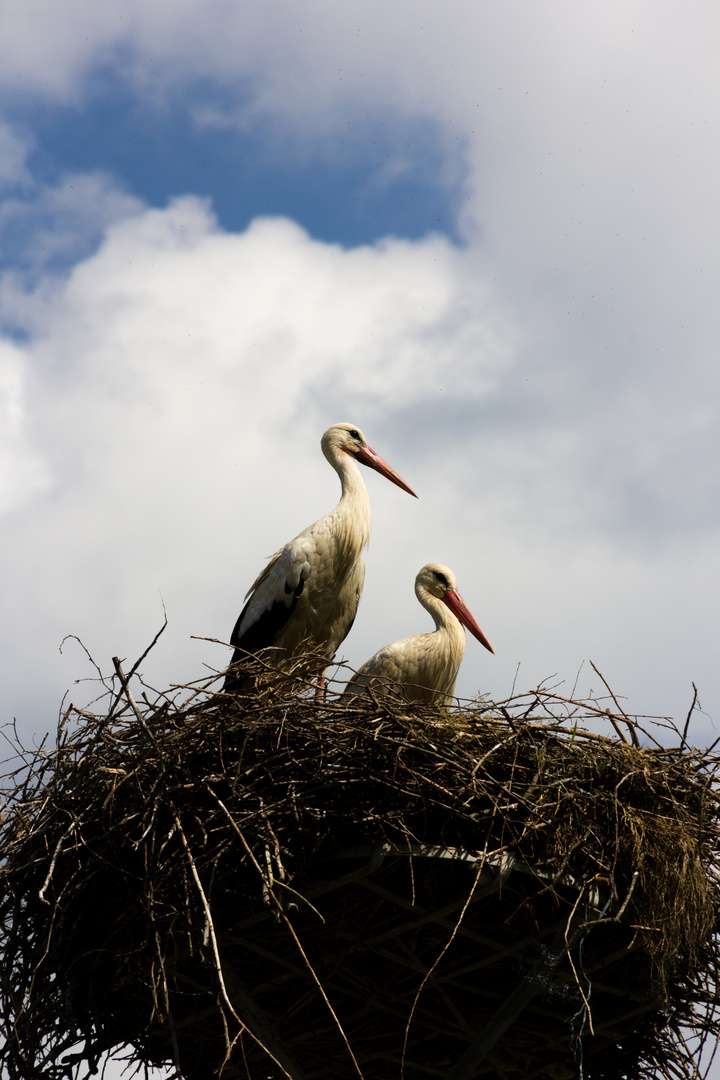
{"type": "Point", "coordinates": [276, 886]}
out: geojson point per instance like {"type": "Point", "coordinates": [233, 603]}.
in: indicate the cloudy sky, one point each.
{"type": "Point", "coordinates": [485, 233]}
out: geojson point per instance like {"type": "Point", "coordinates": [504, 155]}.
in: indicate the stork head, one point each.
{"type": "Point", "coordinates": [348, 439]}
{"type": "Point", "coordinates": [439, 581]}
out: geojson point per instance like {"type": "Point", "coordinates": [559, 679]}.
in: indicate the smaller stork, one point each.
{"type": "Point", "coordinates": [424, 667]}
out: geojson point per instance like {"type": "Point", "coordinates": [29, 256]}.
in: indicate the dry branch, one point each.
{"type": "Point", "coordinates": [274, 886]}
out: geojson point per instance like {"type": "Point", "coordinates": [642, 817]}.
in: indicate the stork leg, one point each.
{"type": "Point", "coordinates": [321, 686]}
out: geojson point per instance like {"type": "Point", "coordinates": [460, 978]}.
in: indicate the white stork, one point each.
{"type": "Point", "coordinates": [424, 667]}
{"type": "Point", "coordinates": [307, 596]}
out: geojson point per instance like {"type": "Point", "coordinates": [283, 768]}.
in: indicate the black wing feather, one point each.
{"type": "Point", "coordinates": [261, 634]}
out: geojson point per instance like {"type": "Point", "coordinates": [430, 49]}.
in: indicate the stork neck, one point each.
{"type": "Point", "coordinates": [444, 619]}
{"type": "Point", "coordinates": [352, 513]}
{"type": "Point", "coordinates": [353, 485]}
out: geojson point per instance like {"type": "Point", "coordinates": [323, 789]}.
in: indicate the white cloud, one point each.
{"type": "Point", "coordinates": [174, 392]}
{"type": "Point", "coordinates": [22, 475]}
{"type": "Point", "coordinates": [176, 387]}
{"type": "Point", "coordinates": [44, 230]}
{"type": "Point", "coordinates": [562, 366]}
{"type": "Point", "coordinates": [550, 390]}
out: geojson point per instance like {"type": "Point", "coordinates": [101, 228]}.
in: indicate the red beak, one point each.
{"type": "Point", "coordinates": [367, 456]}
{"type": "Point", "coordinates": [460, 610]}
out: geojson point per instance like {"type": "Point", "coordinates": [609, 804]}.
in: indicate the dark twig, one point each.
{"type": "Point", "coordinates": [689, 715]}
{"type": "Point", "coordinates": [196, 877]}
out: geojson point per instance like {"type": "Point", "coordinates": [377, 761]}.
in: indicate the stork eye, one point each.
{"type": "Point", "coordinates": [441, 578]}
{"type": "Point", "coordinates": [354, 434]}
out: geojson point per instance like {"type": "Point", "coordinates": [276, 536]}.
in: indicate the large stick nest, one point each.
{"type": "Point", "coordinates": [273, 885]}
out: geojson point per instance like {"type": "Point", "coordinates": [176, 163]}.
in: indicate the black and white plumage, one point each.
{"type": "Point", "coordinates": [424, 667]}
{"type": "Point", "coordinates": [307, 596]}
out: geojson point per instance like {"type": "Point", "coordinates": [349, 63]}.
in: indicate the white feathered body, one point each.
{"type": "Point", "coordinates": [318, 577]}
{"type": "Point", "coordinates": [424, 667]}
{"type": "Point", "coordinates": [306, 598]}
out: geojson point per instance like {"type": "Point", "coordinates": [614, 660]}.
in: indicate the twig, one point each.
{"type": "Point", "coordinates": [448, 943]}
{"type": "Point", "coordinates": [49, 874]}
{"type": "Point", "coordinates": [683, 741]}
{"type": "Point", "coordinates": [628, 721]}
{"type": "Point", "coordinates": [134, 668]}
{"type": "Point", "coordinates": [290, 927]}
{"type": "Point", "coordinates": [131, 700]}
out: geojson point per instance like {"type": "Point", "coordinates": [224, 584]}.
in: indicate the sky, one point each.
{"type": "Point", "coordinates": [487, 234]}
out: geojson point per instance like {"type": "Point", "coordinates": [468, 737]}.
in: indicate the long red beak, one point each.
{"type": "Point", "coordinates": [459, 608]}
{"type": "Point", "coordinates": [368, 457]}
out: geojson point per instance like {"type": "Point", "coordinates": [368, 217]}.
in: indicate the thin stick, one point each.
{"type": "Point", "coordinates": [448, 943]}
{"type": "Point", "coordinates": [690, 712]}
{"type": "Point", "coordinates": [290, 927]}
{"type": "Point", "coordinates": [134, 668]}
{"type": "Point", "coordinates": [628, 721]}
{"type": "Point", "coordinates": [216, 953]}
{"type": "Point", "coordinates": [41, 893]}
{"type": "Point", "coordinates": [131, 700]}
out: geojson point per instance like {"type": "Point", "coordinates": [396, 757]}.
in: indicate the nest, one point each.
{"type": "Point", "coordinates": [278, 886]}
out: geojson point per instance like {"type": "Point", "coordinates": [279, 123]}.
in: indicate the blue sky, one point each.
{"type": "Point", "coordinates": [373, 177]}
{"type": "Point", "coordinates": [490, 239]}
{"type": "Point", "coordinates": [369, 180]}
{"type": "Point", "coordinates": [486, 234]}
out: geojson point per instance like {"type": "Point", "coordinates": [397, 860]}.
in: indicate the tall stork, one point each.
{"type": "Point", "coordinates": [307, 596]}
{"type": "Point", "coordinates": [425, 667]}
